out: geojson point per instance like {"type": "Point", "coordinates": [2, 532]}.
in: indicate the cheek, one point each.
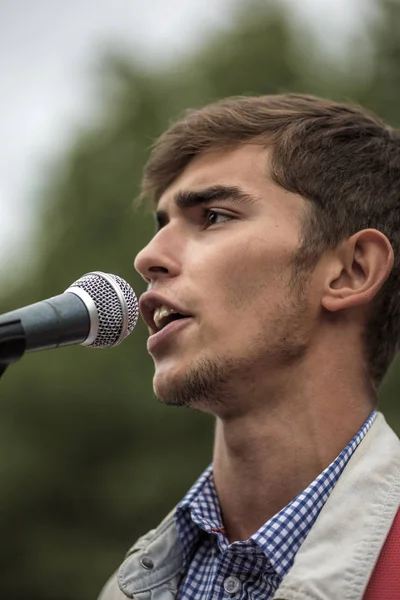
{"type": "Point", "coordinates": [246, 274]}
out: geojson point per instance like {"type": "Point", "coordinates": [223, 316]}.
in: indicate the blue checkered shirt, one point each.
{"type": "Point", "coordinates": [251, 569]}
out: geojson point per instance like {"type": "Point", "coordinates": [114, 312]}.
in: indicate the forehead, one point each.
{"type": "Point", "coordinates": [245, 167]}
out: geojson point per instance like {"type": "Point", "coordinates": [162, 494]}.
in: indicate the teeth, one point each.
{"type": "Point", "coordinates": [160, 313]}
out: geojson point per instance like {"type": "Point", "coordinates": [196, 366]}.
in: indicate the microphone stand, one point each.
{"type": "Point", "coordinates": [12, 343]}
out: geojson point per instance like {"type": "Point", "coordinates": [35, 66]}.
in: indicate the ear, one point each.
{"type": "Point", "coordinates": [358, 269]}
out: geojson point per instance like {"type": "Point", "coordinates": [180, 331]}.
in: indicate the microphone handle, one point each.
{"type": "Point", "coordinates": [59, 321]}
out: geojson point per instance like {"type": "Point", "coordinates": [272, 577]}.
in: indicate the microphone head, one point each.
{"type": "Point", "coordinates": [112, 306]}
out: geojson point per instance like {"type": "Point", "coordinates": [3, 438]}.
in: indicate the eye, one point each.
{"type": "Point", "coordinates": [214, 217]}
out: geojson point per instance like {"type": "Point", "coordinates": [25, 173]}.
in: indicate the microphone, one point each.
{"type": "Point", "coordinates": [98, 310]}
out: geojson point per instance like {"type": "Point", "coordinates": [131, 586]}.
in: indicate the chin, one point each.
{"type": "Point", "coordinates": [202, 385]}
{"type": "Point", "coordinates": [166, 385]}
{"type": "Point", "coordinates": [167, 394]}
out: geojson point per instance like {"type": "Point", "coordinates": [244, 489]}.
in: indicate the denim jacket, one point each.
{"type": "Point", "coordinates": [336, 560]}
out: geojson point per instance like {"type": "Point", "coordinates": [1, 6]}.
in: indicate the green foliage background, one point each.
{"type": "Point", "coordinates": [89, 459]}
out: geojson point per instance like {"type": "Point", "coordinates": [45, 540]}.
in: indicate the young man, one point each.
{"type": "Point", "coordinates": [273, 303]}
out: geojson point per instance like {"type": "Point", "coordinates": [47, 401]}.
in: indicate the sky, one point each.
{"type": "Point", "coordinates": [48, 48]}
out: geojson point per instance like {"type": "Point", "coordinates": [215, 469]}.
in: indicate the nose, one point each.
{"type": "Point", "coordinates": [161, 258]}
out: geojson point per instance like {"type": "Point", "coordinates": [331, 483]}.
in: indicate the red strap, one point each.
{"type": "Point", "coordinates": [385, 579]}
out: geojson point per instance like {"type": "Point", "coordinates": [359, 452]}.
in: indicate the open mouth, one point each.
{"type": "Point", "coordinates": [158, 312]}
{"type": "Point", "coordinates": [163, 316]}
{"type": "Point", "coordinates": [169, 329]}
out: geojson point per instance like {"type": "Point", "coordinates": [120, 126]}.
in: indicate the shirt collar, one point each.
{"type": "Point", "coordinates": [281, 536]}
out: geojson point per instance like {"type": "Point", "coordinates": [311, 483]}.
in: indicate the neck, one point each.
{"type": "Point", "coordinates": [264, 457]}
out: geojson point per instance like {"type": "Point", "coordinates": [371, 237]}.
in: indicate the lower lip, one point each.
{"type": "Point", "coordinates": [158, 338]}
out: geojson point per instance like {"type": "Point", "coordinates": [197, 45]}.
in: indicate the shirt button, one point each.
{"type": "Point", "coordinates": [231, 585]}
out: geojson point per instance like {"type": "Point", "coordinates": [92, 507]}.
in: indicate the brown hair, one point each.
{"type": "Point", "coordinates": [341, 158]}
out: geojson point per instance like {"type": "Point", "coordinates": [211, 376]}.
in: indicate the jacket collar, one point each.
{"type": "Point", "coordinates": [340, 552]}
{"type": "Point", "coordinates": [160, 550]}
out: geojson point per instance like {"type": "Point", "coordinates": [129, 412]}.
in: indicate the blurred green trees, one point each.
{"type": "Point", "coordinates": [88, 458]}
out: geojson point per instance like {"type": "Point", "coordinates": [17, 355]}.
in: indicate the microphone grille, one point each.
{"type": "Point", "coordinates": [116, 304]}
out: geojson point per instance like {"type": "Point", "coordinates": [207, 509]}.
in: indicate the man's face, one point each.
{"type": "Point", "coordinates": [222, 255]}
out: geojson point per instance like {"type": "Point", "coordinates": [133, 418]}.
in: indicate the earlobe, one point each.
{"type": "Point", "coordinates": [361, 266]}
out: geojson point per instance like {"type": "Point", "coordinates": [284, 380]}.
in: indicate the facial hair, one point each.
{"type": "Point", "coordinates": [211, 382]}
{"type": "Point", "coordinates": [207, 381]}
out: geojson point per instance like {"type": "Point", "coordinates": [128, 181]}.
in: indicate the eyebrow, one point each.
{"type": "Point", "coordinates": [190, 198]}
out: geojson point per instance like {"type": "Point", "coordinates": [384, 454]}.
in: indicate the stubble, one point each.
{"type": "Point", "coordinates": [213, 382]}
